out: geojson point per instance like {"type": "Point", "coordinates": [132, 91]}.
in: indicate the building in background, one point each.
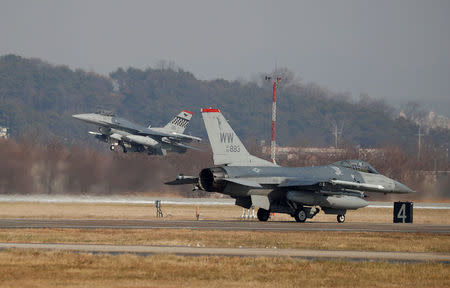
{"type": "Point", "coordinates": [4, 132]}
{"type": "Point", "coordinates": [295, 153]}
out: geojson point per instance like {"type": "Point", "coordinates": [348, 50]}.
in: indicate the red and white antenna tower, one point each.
{"type": "Point", "coordinates": [273, 143]}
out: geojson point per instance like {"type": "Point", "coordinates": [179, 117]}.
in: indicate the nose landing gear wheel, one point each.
{"type": "Point", "coordinates": [263, 214]}
{"type": "Point", "coordinates": [340, 218]}
{"type": "Point", "coordinates": [300, 216]}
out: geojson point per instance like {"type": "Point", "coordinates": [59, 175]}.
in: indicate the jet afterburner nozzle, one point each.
{"type": "Point", "coordinates": [211, 179]}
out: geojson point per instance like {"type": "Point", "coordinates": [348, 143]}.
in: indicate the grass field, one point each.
{"type": "Point", "coordinates": [32, 268]}
{"type": "Point", "coordinates": [28, 268]}
{"type": "Point", "coordinates": [361, 241]}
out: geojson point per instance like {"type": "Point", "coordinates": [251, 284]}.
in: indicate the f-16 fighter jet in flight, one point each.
{"type": "Point", "coordinates": [119, 132]}
{"type": "Point", "coordinates": [298, 191]}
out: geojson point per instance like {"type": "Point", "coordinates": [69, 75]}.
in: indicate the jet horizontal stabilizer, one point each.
{"type": "Point", "coordinates": [182, 180]}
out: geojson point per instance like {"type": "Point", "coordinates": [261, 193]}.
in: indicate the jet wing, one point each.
{"type": "Point", "coordinates": [152, 132]}
{"type": "Point", "coordinates": [185, 137]}
{"type": "Point", "coordinates": [301, 181]}
{"type": "Point", "coordinates": [169, 135]}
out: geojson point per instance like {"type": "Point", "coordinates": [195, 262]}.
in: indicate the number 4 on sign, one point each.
{"type": "Point", "coordinates": [402, 213]}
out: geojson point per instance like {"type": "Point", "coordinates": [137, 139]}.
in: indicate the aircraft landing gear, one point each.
{"type": "Point", "coordinates": [300, 215]}
{"type": "Point", "coordinates": [112, 147]}
{"type": "Point", "coordinates": [340, 218]}
{"type": "Point", "coordinates": [263, 214]}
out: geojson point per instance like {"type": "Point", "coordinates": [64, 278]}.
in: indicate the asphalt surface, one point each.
{"type": "Point", "coordinates": [228, 226]}
{"type": "Point", "coordinates": [239, 252]}
{"type": "Point", "coordinates": [171, 201]}
{"type": "Point", "coordinates": [236, 225]}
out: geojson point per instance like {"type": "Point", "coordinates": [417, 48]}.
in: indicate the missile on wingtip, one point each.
{"type": "Point", "coordinates": [357, 185]}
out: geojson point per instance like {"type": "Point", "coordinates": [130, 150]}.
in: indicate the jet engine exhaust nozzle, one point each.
{"type": "Point", "coordinates": [210, 179]}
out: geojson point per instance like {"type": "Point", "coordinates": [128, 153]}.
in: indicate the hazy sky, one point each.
{"type": "Point", "coordinates": [388, 49]}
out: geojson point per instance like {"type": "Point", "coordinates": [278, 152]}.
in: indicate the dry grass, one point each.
{"type": "Point", "coordinates": [367, 241]}
{"type": "Point", "coordinates": [177, 212]}
{"type": "Point", "coordinates": [27, 268]}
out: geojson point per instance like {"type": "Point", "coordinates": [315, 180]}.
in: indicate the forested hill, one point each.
{"type": "Point", "coordinates": [38, 99]}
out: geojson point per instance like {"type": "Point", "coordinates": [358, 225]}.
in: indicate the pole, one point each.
{"type": "Point", "coordinates": [335, 135]}
{"type": "Point", "coordinates": [274, 120]}
{"type": "Point", "coordinates": [419, 144]}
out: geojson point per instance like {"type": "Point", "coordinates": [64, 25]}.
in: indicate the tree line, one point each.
{"type": "Point", "coordinates": [55, 168]}
{"type": "Point", "coordinates": [37, 100]}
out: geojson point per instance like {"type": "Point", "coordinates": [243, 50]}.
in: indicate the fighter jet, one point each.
{"type": "Point", "coordinates": [119, 132]}
{"type": "Point", "coordinates": [298, 191]}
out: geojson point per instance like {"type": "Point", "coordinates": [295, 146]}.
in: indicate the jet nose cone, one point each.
{"type": "Point", "coordinates": [400, 188]}
{"type": "Point", "coordinates": [84, 117]}
{"type": "Point", "coordinates": [79, 116]}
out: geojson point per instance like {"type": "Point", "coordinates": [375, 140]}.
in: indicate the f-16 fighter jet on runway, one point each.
{"type": "Point", "coordinates": [298, 191]}
{"type": "Point", "coordinates": [136, 138]}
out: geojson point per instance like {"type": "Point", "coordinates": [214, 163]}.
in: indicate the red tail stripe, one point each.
{"type": "Point", "coordinates": [210, 110]}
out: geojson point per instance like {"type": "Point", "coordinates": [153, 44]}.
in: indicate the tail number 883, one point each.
{"type": "Point", "coordinates": [233, 148]}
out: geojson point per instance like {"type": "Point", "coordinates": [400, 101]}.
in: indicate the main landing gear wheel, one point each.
{"type": "Point", "coordinates": [340, 218]}
{"type": "Point", "coordinates": [263, 214]}
{"type": "Point", "coordinates": [112, 147]}
{"type": "Point", "coordinates": [300, 215]}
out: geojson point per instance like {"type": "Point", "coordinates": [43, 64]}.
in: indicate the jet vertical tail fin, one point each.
{"type": "Point", "coordinates": [179, 122]}
{"type": "Point", "coordinates": [226, 145]}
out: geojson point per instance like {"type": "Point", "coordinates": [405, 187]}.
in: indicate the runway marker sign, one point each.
{"type": "Point", "coordinates": [403, 212]}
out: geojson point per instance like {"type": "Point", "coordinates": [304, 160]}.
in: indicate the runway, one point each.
{"type": "Point", "coordinates": [237, 225]}
{"type": "Point", "coordinates": [171, 201]}
{"type": "Point", "coordinates": [238, 252]}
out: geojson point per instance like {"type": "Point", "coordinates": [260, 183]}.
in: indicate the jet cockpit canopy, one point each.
{"type": "Point", "coordinates": [106, 113]}
{"type": "Point", "coordinates": [358, 165]}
